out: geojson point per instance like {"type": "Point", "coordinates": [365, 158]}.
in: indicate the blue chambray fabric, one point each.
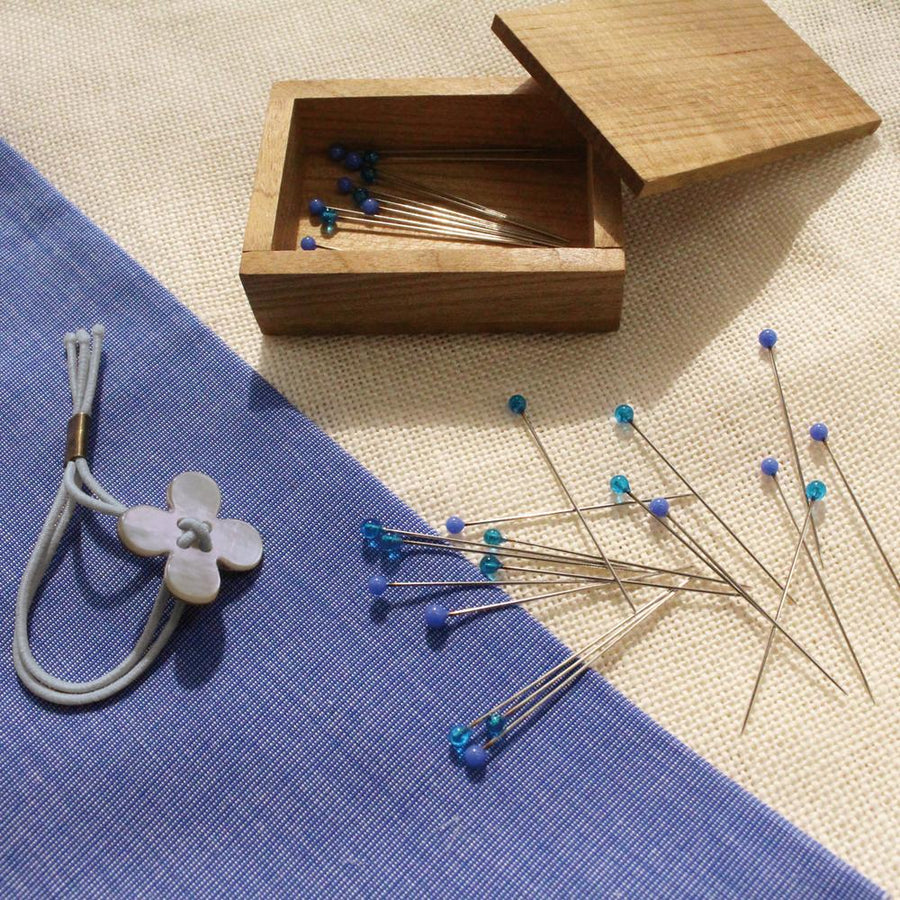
{"type": "Point", "coordinates": [292, 739]}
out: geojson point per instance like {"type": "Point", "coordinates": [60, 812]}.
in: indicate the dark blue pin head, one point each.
{"type": "Point", "coordinates": [819, 432]}
{"type": "Point", "coordinates": [337, 152]}
{"type": "Point", "coordinates": [371, 157]}
{"type": "Point", "coordinates": [353, 161]}
{"type": "Point", "coordinates": [370, 206]}
{"type": "Point", "coordinates": [344, 185]}
{"type": "Point", "coordinates": [768, 338]}
{"type": "Point", "coordinates": [377, 585]}
{"type": "Point", "coordinates": [455, 525]}
{"type": "Point", "coordinates": [317, 207]}
{"type": "Point", "coordinates": [475, 757]}
{"type": "Point", "coordinates": [308, 243]}
{"type": "Point", "coordinates": [436, 615]}
{"type": "Point", "coordinates": [659, 507]}
{"type": "Point", "coordinates": [517, 404]}
{"type": "Point", "coordinates": [769, 466]}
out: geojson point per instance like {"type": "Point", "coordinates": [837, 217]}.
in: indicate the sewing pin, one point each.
{"type": "Point", "coordinates": [624, 415]}
{"type": "Point", "coordinates": [381, 537]}
{"type": "Point", "coordinates": [460, 524]}
{"type": "Point", "coordinates": [661, 512]}
{"type": "Point", "coordinates": [815, 491]}
{"type": "Point", "coordinates": [517, 405]}
{"type": "Point", "coordinates": [310, 243]}
{"type": "Point", "coordinates": [354, 160]}
{"type": "Point", "coordinates": [442, 214]}
{"type": "Point", "coordinates": [769, 467]}
{"type": "Point", "coordinates": [370, 214]}
{"type": "Point", "coordinates": [819, 433]}
{"type": "Point", "coordinates": [767, 340]}
{"type": "Point", "coordinates": [455, 200]}
{"type": "Point", "coordinates": [502, 718]}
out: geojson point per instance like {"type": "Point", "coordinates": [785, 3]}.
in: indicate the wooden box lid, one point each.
{"type": "Point", "coordinates": [676, 91]}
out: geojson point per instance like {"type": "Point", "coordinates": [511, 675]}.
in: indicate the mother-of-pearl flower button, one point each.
{"type": "Point", "coordinates": [184, 531]}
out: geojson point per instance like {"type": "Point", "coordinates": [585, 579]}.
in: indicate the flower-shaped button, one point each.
{"type": "Point", "coordinates": [196, 542]}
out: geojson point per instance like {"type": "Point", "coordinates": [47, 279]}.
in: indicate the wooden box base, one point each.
{"type": "Point", "coordinates": [384, 282]}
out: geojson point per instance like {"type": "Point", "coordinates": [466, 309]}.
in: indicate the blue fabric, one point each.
{"type": "Point", "coordinates": [293, 738]}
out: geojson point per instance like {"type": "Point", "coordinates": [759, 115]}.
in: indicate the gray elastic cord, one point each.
{"type": "Point", "coordinates": [83, 366]}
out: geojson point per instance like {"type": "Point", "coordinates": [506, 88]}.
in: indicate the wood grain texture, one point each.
{"type": "Point", "coordinates": [676, 91]}
{"type": "Point", "coordinates": [389, 282]}
{"type": "Point", "coordinates": [448, 291]}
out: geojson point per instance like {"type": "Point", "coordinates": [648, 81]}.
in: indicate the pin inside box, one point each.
{"type": "Point", "coordinates": [659, 94]}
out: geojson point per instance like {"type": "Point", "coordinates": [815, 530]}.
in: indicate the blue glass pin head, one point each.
{"type": "Point", "coordinates": [372, 530]}
{"type": "Point", "coordinates": [370, 206]}
{"type": "Point", "coordinates": [455, 525]}
{"type": "Point", "coordinates": [517, 404]}
{"type": "Point", "coordinates": [460, 736]}
{"type": "Point", "coordinates": [619, 484]}
{"type": "Point", "coordinates": [767, 338]}
{"type": "Point", "coordinates": [624, 414]}
{"type": "Point", "coordinates": [495, 724]}
{"type": "Point", "coordinates": [344, 185]}
{"type": "Point", "coordinates": [353, 161]}
{"type": "Point", "coordinates": [308, 243]}
{"type": "Point", "coordinates": [328, 215]}
{"type": "Point", "coordinates": [769, 466]}
{"type": "Point", "coordinates": [371, 157]}
{"type": "Point", "coordinates": [360, 195]}
{"type": "Point", "coordinates": [337, 152]}
{"type": "Point", "coordinates": [494, 537]}
{"type": "Point", "coordinates": [436, 615]}
{"type": "Point", "coordinates": [490, 565]}
{"type": "Point", "coordinates": [659, 507]}
{"type": "Point", "coordinates": [317, 207]}
{"type": "Point", "coordinates": [377, 585]}
{"type": "Point", "coordinates": [392, 545]}
{"type": "Point", "coordinates": [819, 432]}
{"type": "Point", "coordinates": [816, 490]}
{"type": "Point", "coordinates": [368, 174]}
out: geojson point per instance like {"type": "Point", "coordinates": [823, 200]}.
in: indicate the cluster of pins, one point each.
{"type": "Point", "coordinates": [528, 564]}
{"type": "Point", "coordinates": [387, 200]}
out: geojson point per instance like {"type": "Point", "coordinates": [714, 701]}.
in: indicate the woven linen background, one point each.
{"type": "Point", "coordinates": [148, 116]}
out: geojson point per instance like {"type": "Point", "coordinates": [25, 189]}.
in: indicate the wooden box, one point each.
{"type": "Point", "coordinates": [383, 282]}
{"type": "Point", "coordinates": [660, 94]}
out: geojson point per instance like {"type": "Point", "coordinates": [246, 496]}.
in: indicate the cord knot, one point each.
{"type": "Point", "coordinates": [194, 533]}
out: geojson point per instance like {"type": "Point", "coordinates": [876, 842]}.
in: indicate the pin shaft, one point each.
{"type": "Point", "coordinates": [827, 594]}
{"type": "Point", "coordinates": [578, 664]}
{"type": "Point", "coordinates": [790, 431]}
{"type": "Point", "coordinates": [862, 515]}
{"type": "Point", "coordinates": [670, 524]}
{"type": "Point", "coordinates": [546, 456]}
{"type": "Point", "coordinates": [771, 637]}
{"type": "Point", "coordinates": [557, 554]}
{"type": "Point", "coordinates": [706, 506]}
{"type": "Point", "coordinates": [546, 514]}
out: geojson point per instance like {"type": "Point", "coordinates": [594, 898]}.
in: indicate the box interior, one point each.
{"type": "Point", "coordinates": [557, 196]}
